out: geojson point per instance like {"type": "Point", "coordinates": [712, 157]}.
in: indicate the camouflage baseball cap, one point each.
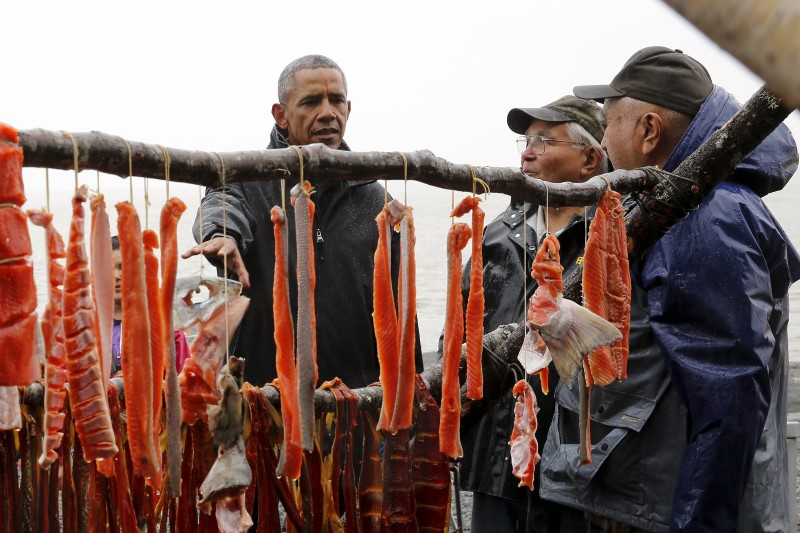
{"type": "Point", "coordinates": [566, 109]}
{"type": "Point", "coordinates": [657, 75]}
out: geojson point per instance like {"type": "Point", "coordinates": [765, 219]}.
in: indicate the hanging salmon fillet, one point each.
{"type": "Point", "coordinates": [137, 364]}
{"type": "Point", "coordinates": [449, 426]}
{"type": "Point", "coordinates": [307, 373]}
{"type": "Point", "coordinates": [569, 330]}
{"type": "Point", "coordinates": [157, 336]}
{"type": "Point", "coordinates": [384, 319]}
{"type": "Point", "coordinates": [407, 312]}
{"type": "Point", "coordinates": [102, 281]}
{"type": "Point", "coordinates": [19, 365]}
{"type": "Point", "coordinates": [53, 336]}
{"type": "Point", "coordinates": [170, 215]}
{"type": "Point", "coordinates": [87, 395]}
{"type": "Point", "coordinates": [475, 303]}
{"type": "Point", "coordinates": [524, 448]}
{"type": "Point", "coordinates": [607, 286]}
{"type": "Point", "coordinates": [291, 457]}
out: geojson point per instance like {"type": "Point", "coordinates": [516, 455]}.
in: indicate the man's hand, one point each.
{"type": "Point", "coordinates": [223, 247]}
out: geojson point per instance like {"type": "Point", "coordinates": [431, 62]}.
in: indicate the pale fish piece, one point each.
{"type": "Point", "coordinates": [10, 415]}
{"type": "Point", "coordinates": [571, 332]}
{"type": "Point", "coordinates": [186, 312]}
{"type": "Point", "coordinates": [534, 354]}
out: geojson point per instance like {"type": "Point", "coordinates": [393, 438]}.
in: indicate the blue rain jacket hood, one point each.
{"type": "Point", "coordinates": [717, 288]}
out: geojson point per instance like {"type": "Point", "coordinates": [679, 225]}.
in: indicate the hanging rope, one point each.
{"type": "Point", "coordinates": [224, 256]}
{"type": "Point", "coordinates": [47, 186]}
{"type": "Point", "coordinates": [74, 156]}
{"type": "Point", "coordinates": [130, 168]}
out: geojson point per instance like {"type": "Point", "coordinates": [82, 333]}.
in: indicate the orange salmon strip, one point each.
{"type": "Point", "coordinates": [157, 338]}
{"type": "Point", "coordinates": [449, 426]}
{"type": "Point", "coordinates": [19, 366]}
{"type": "Point", "coordinates": [407, 311]}
{"type": "Point", "coordinates": [384, 319]}
{"type": "Point", "coordinates": [87, 396]}
{"type": "Point", "coordinates": [291, 458]}
{"type": "Point", "coordinates": [53, 335]}
{"type": "Point", "coordinates": [137, 364]}
{"type": "Point", "coordinates": [476, 301]}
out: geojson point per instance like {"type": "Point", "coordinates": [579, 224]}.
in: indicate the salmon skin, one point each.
{"type": "Point", "coordinates": [87, 395]}
{"type": "Point", "coordinates": [102, 280]}
{"type": "Point", "coordinates": [291, 457]}
{"type": "Point", "coordinates": [20, 365]}
{"type": "Point", "coordinates": [449, 425]}
{"type": "Point", "coordinates": [569, 330]}
{"type": "Point", "coordinates": [475, 303]}
{"type": "Point", "coordinates": [53, 336]}
{"type": "Point", "coordinates": [524, 447]}
{"type": "Point", "coordinates": [168, 226]}
{"type": "Point", "coordinates": [607, 287]}
{"type": "Point", "coordinates": [307, 372]}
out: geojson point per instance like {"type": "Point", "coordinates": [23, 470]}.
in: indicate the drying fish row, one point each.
{"type": "Point", "coordinates": [406, 490]}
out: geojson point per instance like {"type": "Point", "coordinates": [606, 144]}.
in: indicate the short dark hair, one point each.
{"type": "Point", "coordinates": [286, 79]}
{"type": "Point", "coordinates": [115, 243]}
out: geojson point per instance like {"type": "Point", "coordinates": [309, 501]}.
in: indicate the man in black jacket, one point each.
{"type": "Point", "coordinates": [312, 108]}
{"type": "Point", "coordinates": [559, 142]}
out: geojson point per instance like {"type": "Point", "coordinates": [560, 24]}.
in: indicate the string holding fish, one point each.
{"type": "Point", "coordinates": [74, 156]}
{"type": "Point", "coordinates": [200, 216]}
{"type": "Point", "coordinates": [146, 203]}
{"type": "Point", "coordinates": [547, 208]}
{"type": "Point", "coordinates": [405, 178]}
{"type": "Point", "coordinates": [130, 168]}
{"type": "Point", "coordinates": [475, 181]}
{"type": "Point", "coordinates": [167, 164]}
{"type": "Point", "coordinates": [307, 189]}
{"type": "Point", "coordinates": [225, 256]}
{"type": "Point", "coordinates": [47, 186]}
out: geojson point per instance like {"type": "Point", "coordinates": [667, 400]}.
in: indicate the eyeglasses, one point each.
{"type": "Point", "coordinates": [537, 143]}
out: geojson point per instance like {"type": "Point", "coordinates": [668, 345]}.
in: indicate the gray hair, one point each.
{"type": "Point", "coordinates": [286, 79]}
{"type": "Point", "coordinates": [578, 134]}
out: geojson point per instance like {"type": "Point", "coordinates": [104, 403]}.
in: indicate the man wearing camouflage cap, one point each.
{"type": "Point", "coordinates": [559, 142]}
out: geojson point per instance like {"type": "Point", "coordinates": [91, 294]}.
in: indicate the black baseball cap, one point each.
{"type": "Point", "coordinates": [657, 75]}
{"type": "Point", "coordinates": [566, 109]}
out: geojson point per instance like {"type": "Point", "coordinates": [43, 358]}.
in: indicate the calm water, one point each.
{"type": "Point", "coordinates": [431, 209]}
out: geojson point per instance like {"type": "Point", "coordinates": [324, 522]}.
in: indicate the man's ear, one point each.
{"type": "Point", "coordinates": [652, 130]}
{"type": "Point", "coordinates": [279, 114]}
{"type": "Point", "coordinates": [592, 159]}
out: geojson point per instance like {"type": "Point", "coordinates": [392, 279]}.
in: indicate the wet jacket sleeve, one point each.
{"type": "Point", "coordinates": [237, 218]}
{"type": "Point", "coordinates": [710, 296]}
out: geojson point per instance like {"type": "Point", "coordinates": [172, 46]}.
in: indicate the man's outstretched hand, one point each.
{"type": "Point", "coordinates": [223, 247]}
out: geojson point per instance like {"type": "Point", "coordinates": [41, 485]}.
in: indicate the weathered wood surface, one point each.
{"type": "Point", "coordinates": [109, 154]}
{"type": "Point", "coordinates": [762, 34]}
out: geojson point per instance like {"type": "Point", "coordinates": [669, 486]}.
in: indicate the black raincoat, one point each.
{"type": "Point", "coordinates": [346, 236]}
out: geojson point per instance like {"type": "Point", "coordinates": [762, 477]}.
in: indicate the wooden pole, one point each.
{"type": "Point", "coordinates": [109, 154]}
{"type": "Point", "coordinates": [762, 34]}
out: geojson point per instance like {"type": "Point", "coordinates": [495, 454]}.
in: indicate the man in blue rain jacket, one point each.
{"type": "Point", "coordinates": [717, 294]}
